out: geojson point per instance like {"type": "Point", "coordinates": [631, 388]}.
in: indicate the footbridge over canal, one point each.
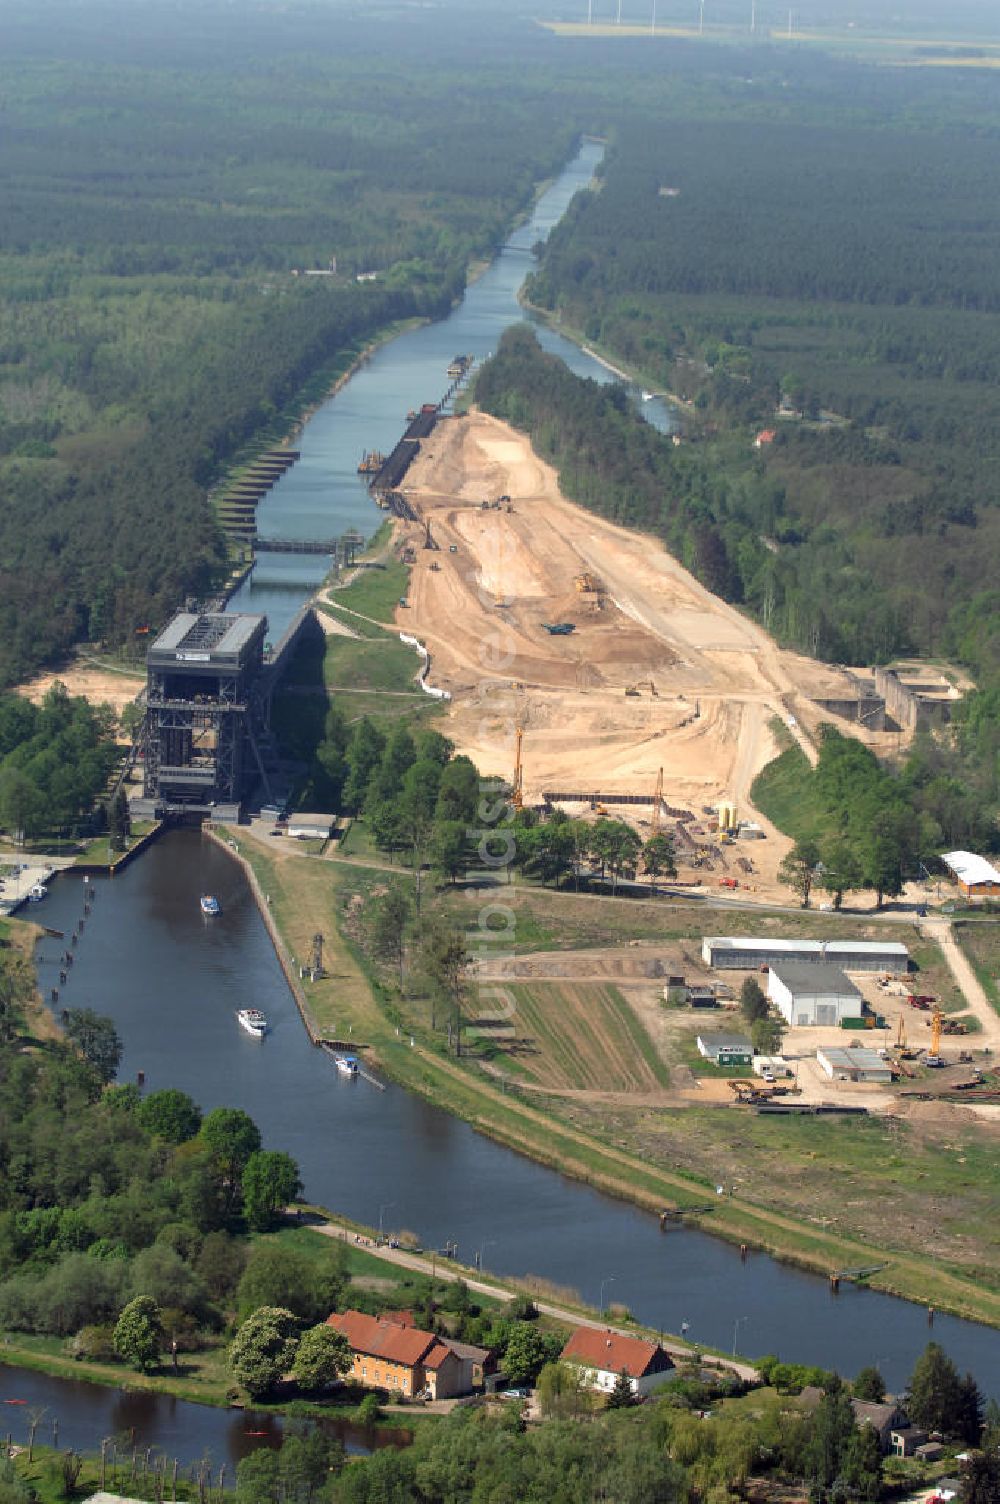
{"type": "Point", "coordinates": [205, 742]}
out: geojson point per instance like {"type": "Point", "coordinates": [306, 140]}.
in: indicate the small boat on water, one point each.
{"type": "Point", "coordinates": [347, 1065]}
{"type": "Point", "coordinates": [210, 905]}
{"type": "Point", "coordinates": [648, 396]}
{"type": "Point", "coordinates": [253, 1021]}
{"type": "Point", "coordinates": [37, 892]}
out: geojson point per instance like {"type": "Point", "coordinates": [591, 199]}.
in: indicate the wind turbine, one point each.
{"type": "Point", "coordinates": [619, 12]}
{"type": "Point", "coordinates": [652, 24]}
{"type": "Point", "coordinates": [753, 17]}
{"type": "Point", "coordinates": [701, 17]}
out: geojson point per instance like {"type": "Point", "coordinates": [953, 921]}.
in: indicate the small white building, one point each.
{"type": "Point", "coordinates": [813, 994]}
{"type": "Point", "coordinates": [314, 827]}
{"type": "Point", "coordinates": [855, 1063]}
{"type": "Point", "coordinates": [725, 1049]}
{"type": "Point", "coordinates": [605, 1355]}
{"type": "Point", "coordinates": [771, 1065]}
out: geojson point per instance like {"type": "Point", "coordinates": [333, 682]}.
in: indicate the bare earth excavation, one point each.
{"type": "Point", "coordinates": [656, 672]}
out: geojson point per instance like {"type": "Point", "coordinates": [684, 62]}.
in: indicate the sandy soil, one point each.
{"type": "Point", "coordinates": [99, 686]}
{"type": "Point", "coordinates": [709, 679]}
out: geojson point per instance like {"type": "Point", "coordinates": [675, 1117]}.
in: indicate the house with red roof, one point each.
{"type": "Point", "coordinates": [401, 1359]}
{"type": "Point", "coordinates": [607, 1354]}
{"type": "Point", "coordinates": [766, 436]}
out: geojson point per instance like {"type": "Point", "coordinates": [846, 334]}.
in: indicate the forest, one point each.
{"type": "Point", "coordinates": [161, 183]}
{"type": "Point", "coordinates": [55, 759]}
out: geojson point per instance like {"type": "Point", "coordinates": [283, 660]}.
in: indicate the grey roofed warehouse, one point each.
{"type": "Point", "coordinates": [746, 953]}
{"type": "Point", "coordinates": [808, 993]}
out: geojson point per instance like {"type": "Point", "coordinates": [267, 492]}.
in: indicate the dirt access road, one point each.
{"type": "Point", "coordinates": [969, 985]}
{"type": "Point", "coordinates": [91, 681]}
{"type": "Point", "coordinates": [708, 679]}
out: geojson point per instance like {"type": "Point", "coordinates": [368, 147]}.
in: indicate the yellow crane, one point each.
{"type": "Point", "coordinates": [901, 1034]}
{"type": "Point", "coordinates": [517, 797]}
{"type": "Point", "coordinates": [937, 1019]}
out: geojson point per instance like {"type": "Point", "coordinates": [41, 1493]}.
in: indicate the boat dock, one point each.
{"type": "Point", "coordinates": [16, 886]}
{"type": "Point", "coordinates": [335, 1047]}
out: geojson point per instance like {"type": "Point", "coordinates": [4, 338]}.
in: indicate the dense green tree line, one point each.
{"type": "Point", "coordinates": [108, 1198]}
{"type": "Point", "coordinates": [858, 824]}
{"type": "Point", "coordinates": [55, 759]}
{"type": "Point", "coordinates": [414, 794]}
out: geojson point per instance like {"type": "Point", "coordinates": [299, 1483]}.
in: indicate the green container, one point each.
{"type": "Point", "coordinates": [853, 1023]}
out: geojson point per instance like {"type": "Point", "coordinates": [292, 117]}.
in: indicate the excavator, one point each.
{"type": "Point", "coordinates": [634, 690]}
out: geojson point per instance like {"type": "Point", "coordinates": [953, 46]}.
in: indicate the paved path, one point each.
{"type": "Point", "coordinates": [445, 1269]}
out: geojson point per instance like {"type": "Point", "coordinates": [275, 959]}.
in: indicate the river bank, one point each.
{"type": "Point", "coordinates": [308, 894]}
{"type": "Point", "coordinates": [609, 359]}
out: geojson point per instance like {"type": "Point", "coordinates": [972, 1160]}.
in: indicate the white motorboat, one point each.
{"type": "Point", "coordinates": [37, 892]}
{"type": "Point", "coordinates": [347, 1065]}
{"type": "Point", "coordinates": [253, 1021]}
{"type": "Point", "coordinates": [210, 905]}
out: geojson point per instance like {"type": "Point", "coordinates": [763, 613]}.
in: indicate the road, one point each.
{"type": "Point", "coordinates": [968, 983]}
{"type": "Point", "coordinates": [445, 1269]}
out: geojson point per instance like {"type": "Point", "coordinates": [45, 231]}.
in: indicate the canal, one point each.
{"type": "Point", "coordinates": [80, 1415]}
{"type": "Point", "coordinates": [172, 982]}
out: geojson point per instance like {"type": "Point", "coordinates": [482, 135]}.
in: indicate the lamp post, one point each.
{"type": "Point", "coordinates": [386, 1205]}
{"type": "Point", "coordinates": [486, 1243]}
{"type": "Point", "coordinates": [736, 1326]}
{"type": "Point", "coordinates": [608, 1279]}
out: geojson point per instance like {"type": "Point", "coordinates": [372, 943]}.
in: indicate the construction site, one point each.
{"type": "Point", "coordinates": [593, 652]}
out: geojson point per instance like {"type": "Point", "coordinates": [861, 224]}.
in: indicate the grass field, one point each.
{"type": "Point", "coordinates": [376, 591]}
{"type": "Point", "coordinates": [784, 792]}
{"type": "Point", "coordinates": [387, 664]}
{"type": "Point", "coordinates": [581, 1037]}
{"type": "Point", "coordinates": [548, 920]}
{"type": "Point", "coordinates": [981, 943]}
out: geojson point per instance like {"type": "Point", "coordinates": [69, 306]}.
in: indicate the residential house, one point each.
{"type": "Point", "coordinates": [606, 1354]}
{"type": "Point", "coordinates": [476, 1363]}
{"type": "Point", "coordinates": [400, 1359]}
{"type": "Point", "coordinates": [885, 1417]}
{"type": "Point", "coordinates": [906, 1440]}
